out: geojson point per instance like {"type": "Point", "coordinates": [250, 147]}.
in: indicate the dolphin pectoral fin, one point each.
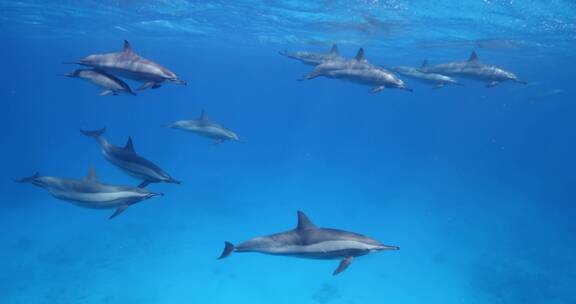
{"type": "Point", "coordinates": [377, 89]}
{"type": "Point", "coordinates": [118, 211]}
{"type": "Point", "coordinates": [148, 85]}
{"type": "Point", "coordinates": [107, 92]}
{"type": "Point", "coordinates": [492, 84]}
{"type": "Point", "coordinates": [156, 86]}
{"type": "Point", "coordinates": [343, 265]}
{"type": "Point", "coordinates": [309, 76]}
{"type": "Point", "coordinates": [144, 184]}
{"type": "Point", "coordinates": [228, 249]}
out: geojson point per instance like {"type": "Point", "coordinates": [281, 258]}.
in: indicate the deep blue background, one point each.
{"type": "Point", "coordinates": [476, 185]}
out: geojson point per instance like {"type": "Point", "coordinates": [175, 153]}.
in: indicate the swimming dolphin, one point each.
{"type": "Point", "coordinates": [311, 242]}
{"type": "Point", "coordinates": [205, 127]}
{"type": "Point", "coordinates": [473, 69]}
{"type": "Point", "coordinates": [131, 65]}
{"type": "Point", "coordinates": [90, 193]}
{"type": "Point", "coordinates": [112, 85]}
{"type": "Point", "coordinates": [313, 58]}
{"type": "Point", "coordinates": [438, 80]}
{"type": "Point", "coordinates": [359, 70]}
{"type": "Point", "coordinates": [129, 161]}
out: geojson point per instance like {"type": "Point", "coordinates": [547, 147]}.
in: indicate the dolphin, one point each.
{"type": "Point", "coordinates": [112, 85]}
{"type": "Point", "coordinates": [129, 161]}
{"type": "Point", "coordinates": [473, 69]}
{"type": "Point", "coordinates": [438, 80]}
{"type": "Point", "coordinates": [205, 127]}
{"type": "Point", "coordinates": [313, 58]}
{"type": "Point", "coordinates": [90, 193]}
{"type": "Point", "coordinates": [131, 65]}
{"type": "Point", "coordinates": [311, 242]}
{"type": "Point", "coordinates": [359, 70]}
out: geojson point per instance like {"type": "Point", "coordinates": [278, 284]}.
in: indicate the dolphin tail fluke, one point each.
{"type": "Point", "coordinates": [28, 179]}
{"type": "Point", "coordinates": [118, 211]}
{"type": "Point", "coordinates": [228, 249]}
{"type": "Point", "coordinates": [94, 133]}
{"type": "Point", "coordinates": [343, 265]}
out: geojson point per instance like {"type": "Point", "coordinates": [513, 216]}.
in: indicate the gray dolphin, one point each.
{"type": "Point", "coordinates": [313, 58]}
{"type": "Point", "coordinates": [129, 161]}
{"type": "Point", "coordinates": [131, 65]}
{"type": "Point", "coordinates": [90, 193]}
{"type": "Point", "coordinates": [205, 127]}
{"type": "Point", "coordinates": [112, 85]}
{"type": "Point", "coordinates": [311, 242]}
{"type": "Point", "coordinates": [359, 70]}
{"type": "Point", "coordinates": [473, 69]}
{"type": "Point", "coordinates": [438, 80]}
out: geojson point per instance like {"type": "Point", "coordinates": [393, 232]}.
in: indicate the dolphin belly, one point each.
{"type": "Point", "coordinates": [96, 200]}
{"type": "Point", "coordinates": [325, 250]}
{"type": "Point", "coordinates": [136, 75]}
{"type": "Point", "coordinates": [136, 169]}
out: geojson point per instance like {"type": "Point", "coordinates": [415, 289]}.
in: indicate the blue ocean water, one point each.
{"type": "Point", "coordinates": [476, 185]}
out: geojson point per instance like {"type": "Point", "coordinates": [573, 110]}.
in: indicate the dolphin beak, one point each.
{"type": "Point", "coordinates": [386, 247]}
{"type": "Point", "coordinates": [179, 81]}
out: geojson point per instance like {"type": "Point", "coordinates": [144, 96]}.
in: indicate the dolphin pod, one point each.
{"type": "Point", "coordinates": [89, 192]}
{"type": "Point", "coordinates": [129, 64]}
{"type": "Point", "coordinates": [306, 240]}
{"type": "Point", "coordinates": [359, 70]}
{"type": "Point", "coordinates": [311, 242]}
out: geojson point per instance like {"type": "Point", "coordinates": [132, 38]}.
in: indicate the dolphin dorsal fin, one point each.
{"type": "Point", "coordinates": [91, 176]}
{"type": "Point", "coordinates": [360, 55]}
{"type": "Point", "coordinates": [129, 145]}
{"type": "Point", "coordinates": [334, 49]}
{"type": "Point", "coordinates": [203, 115]}
{"type": "Point", "coordinates": [304, 222]}
{"type": "Point", "coordinates": [473, 57]}
{"type": "Point", "coordinates": [127, 48]}
{"type": "Point", "coordinates": [424, 64]}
